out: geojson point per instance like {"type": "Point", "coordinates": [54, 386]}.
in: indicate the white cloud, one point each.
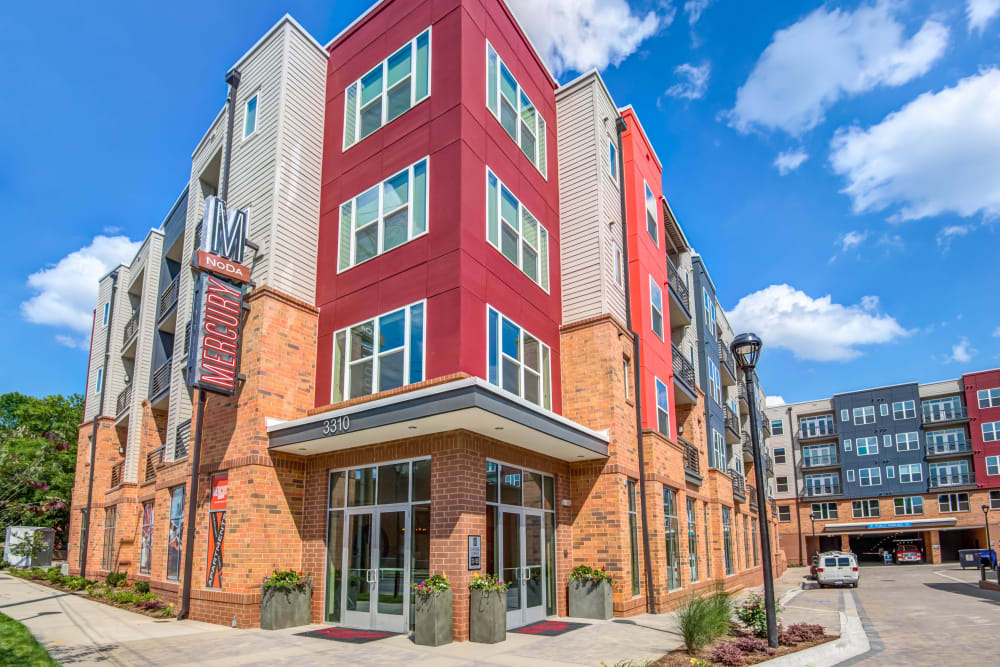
{"type": "Point", "coordinates": [815, 329]}
{"type": "Point", "coordinates": [981, 12]}
{"type": "Point", "coordinates": [869, 303]}
{"type": "Point", "coordinates": [773, 401]}
{"type": "Point", "coordinates": [828, 55]}
{"type": "Point", "coordinates": [579, 35]}
{"type": "Point", "coordinates": [951, 232]}
{"type": "Point", "coordinates": [939, 153]}
{"type": "Point", "coordinates": [996, 332]}
{"type": "Point", "coordinates": [789, 161]}
{"type": "Point", "coordinates": [852, 239]}
{"type": "Point", "coordinates": [695, 81]}
{"type": "Point", "coordinates": [694, 8]}
{"type": "Point", "coordinates": [962, 352]}
{"type": "Point", "coordinates": [67, 290]}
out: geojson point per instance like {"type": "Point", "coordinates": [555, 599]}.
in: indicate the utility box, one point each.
{"type": "Point", "coordinates": [24, 534]}
{"type": "Point", "coordinates": [976, 557]}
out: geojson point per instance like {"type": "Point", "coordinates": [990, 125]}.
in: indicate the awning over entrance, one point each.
{"type": "Point", "coordinates": [890, 526]}
{"type": "Point", "coordinates": [470, 404]}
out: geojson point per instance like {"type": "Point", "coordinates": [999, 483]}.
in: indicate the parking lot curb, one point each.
{"type": "Point", "coordinates": [852, 641]}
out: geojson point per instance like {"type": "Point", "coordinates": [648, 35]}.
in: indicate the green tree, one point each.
{"type": "Point", "coordinates": [37, 460]}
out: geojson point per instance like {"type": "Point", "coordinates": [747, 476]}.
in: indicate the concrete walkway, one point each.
{"type": "Point", "coordinates": [77, 631]}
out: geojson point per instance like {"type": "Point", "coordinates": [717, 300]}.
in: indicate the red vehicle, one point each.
{"type": "Point", "coordinates": [908, 553]}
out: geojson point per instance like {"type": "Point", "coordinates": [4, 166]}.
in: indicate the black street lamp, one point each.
{"type": "Point", "coordinates": [812, 518]}
{"type": "Point", "coordinates": [746, 351]}
{"type": "Point", "coordinates": [986, 520]}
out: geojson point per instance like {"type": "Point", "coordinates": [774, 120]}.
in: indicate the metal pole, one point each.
{"type": "Point", "coordinates": [192, 517]}
{"type": "Point", "coordinates": [989, 544]}
{"type": "Point", "coordinates": [765, 529]}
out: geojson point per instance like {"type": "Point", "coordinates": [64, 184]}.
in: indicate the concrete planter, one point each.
{"type": "Point", "coordinates": [284, 609]}
{"type": "Point", "coordinates": [487, 616]}
{"type": "Point", "coordinates": [432, 623]}
{"type": "Point", "coordinates": [590, 600]}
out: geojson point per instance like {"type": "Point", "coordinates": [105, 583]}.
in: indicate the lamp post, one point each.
{"type": "Point", "coordinates": [746, 351]}
{"type": "Point", "coordinates": [986, 520]}
{"type": "Point", "coordinates": [812, 519]}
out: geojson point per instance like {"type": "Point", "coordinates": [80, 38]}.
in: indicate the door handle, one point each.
{"type": "Point", "coordinates": [371, 576]}
{"type": "Point", "coordinates": [527, 574]}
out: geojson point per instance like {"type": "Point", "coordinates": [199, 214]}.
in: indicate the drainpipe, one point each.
{"type": "Point", "coordinates": [85, 539]}
{"type": "Point", "coordinates": [795, 479]}
{"type": "Point", "coordinates": [621, 126]}
{"type": "Point", "coordinates": [233, 79]}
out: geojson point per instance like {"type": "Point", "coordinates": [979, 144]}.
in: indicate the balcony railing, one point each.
{"type": "Point", "coordinates": [828, 489]}
{"type": "Point", "coordinates": [683, 369]}
{"type": "Point", "coordinates": [161, 379]}
{"type": "Point", "coordinates": [153, 459]}
{"type": "Point", "coordinates": [131, 328]}
{"type": "Point", "coordinates": [813, 430]}
{"type": "Point", "coordinates": [739, 484]}
{"type": "Point", "coordinates": [938, 413]}
{"type": "Point", "coordinates": [124, 399]}
{"type": "Point", "coordinates": [187, 337]}
{"type": "Point", "coordinates": [962, 446]}
{"type": "Point", "coordinates": [732, 421]}
{"type": "Point", "coordinates": [678, 286]}
{"type": "Point", "coordinates": [691, 459]}
{"type": "Point", "coordinates": [819, 460]}
{"type": "Point", "coordinates": [752, 495]}
{"type": "Point", "coordinates": [742, 392]}
{"type": "Point", "coordinates": [765, 425]}
{"type": "Point", "coordinates": [769, 465]}
{"type": "Point", "coordinates": [117, 470]}
{"type": "Point", "coordinates": [774, 507]}
{"type": "Point", "coordinates": [727, 359]}
{"type": "Point", "coordinates": [747, 445]}
{"type": "Point", "coordinates": [939, 480]}
{"type": "Point", "coordinates": [168, 299]}
{"type": "Point", "coordinates": [183, 438]}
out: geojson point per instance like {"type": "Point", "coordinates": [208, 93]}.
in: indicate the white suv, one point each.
{"type": "Point", "coordinates": [837, 568]}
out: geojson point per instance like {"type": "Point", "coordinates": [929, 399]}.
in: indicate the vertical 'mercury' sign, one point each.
{"type": "Point", "coordinates": [213, 355]}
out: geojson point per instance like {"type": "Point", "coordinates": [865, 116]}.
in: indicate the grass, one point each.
{"type": "Point", "coordinates": [704, 618]}
{"type": "Point", "coordinates": [18, 647]}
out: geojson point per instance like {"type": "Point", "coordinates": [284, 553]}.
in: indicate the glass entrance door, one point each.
{"type": "Point", "coordinates": [522, 557]}
{"type": "Point", "coordinates": [376, 552]}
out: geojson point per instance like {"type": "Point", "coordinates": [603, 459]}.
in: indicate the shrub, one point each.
{"type": "Point", "coordinates": [728, 654]}
{"type": "Point", "coordinates": [76, 583]}
{"type": "Point", "coordinates": [141, 587]}
{"type": "Point", "coordinates": [803, 632]}
{"type": "Point", "coordinates": [150, 605]}
{"type": "Point", "coordinates": [123, 597]}
{"type": "Point", "coordinates": [703, 618]}
{"type": "Point", "coordinates": [287, 580]}
{"type": "Point", "coordinates": [751, 645]}
{"type": "Point", "coordinates": [752, 613]}
{"type": "Point", "coordinates": [145, 597]}
{"type": "Point", "coordinates": [591, 574]}
{"type": "Point", "coordinates": [721, 613]}
{"type": "Point", "coordinates": [53, 577]}
{"type": "Point", "coordinates": [116, 579]}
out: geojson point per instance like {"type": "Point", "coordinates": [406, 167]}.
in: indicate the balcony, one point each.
{"type": "Point", "coordinates": [765, 425]}
{"type": "Point", "coordinates": [774, 508]}
{"type": "Point", "coordinates": [124, 400]}
{"type": "Point", "coordinates": [117, 470]}
{"type": "Point", "coordinates": [954, 479]}
{"type": "Point", "coordinates": [680, 297]}
{"type": "Point", "coordinates": [825, 489]}
{"type": "Point", "coordinates": [727, 366]}
{"type": "Point", "coordinates": [182, 441]}
{"type": "Point", "coordinates": [739, 485]}
{"type": "Point", "coordinates": [732, 426]}
{"type": "Point", "coordinates": [747, 448]}
{"type": "Point", "coordinates": [684, 379]}
{"type": "Point", "coordinates": [168, 299]}
{"type": "Point", "coordinates": [944, 414]}
{"type": "Point", "coordinates": [752, 495]}
{"type": "Point", "coordinates": [744, 402]}
{"type": "Point", "coordinates": [818, 431]}
{"type": "Point", "coordinates": [820, 461]}
{"type": "Point", "coordinates": [769, 465]}
{"type": "Point", "coordinates": [131, 329]}
{"type": "Point", "coordinates": [161, 380]}
{"type": "Point", "coordinates": [153, 459]}
{"type": "Point", "coordinates": [953, 448]}
{"type": "Point", "coordinates": [692, 463]}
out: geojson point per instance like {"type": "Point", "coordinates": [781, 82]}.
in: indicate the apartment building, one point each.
{"type": "Point", "coordinates": [470, 322]}
{"type": "Point", "coordinates": [867, 470]}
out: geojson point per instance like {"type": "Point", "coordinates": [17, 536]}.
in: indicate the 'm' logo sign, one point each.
{"type": "Point", "coordinates": [223, 232]}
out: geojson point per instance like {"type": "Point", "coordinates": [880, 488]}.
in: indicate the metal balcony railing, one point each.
{"type": "Point", "coordinates": [747, 445]}
{"type": "Point", "coordinates": [944, 447]}
{"type": "Point", "coordinates": [153, 459]}
{"type": "Point", "coordinates": [124, 399]}
{"type": "Point", "coordinates": [726, 357]}
{"type": "Point", "coordinates": [739, 484]}
{"type": "Point", "coordinates": [752, 495]}
{"type": "Point", "coordinates": [819, 460]}
{"type": "Point", "coordinates": [813, 430]}
{"type": "Point", "coordinates": [937, 413]}
{"type": "Point", "coordinates": [769, 465]}
{"type": "Point", "coordinates": [187, 337]}
{"type": "Point", "coordinates": [161, 379]}
{"type": "Point", "coordinates": [117, 470]}
{"type": "Point", "coordinates": [774, 507]}
{"type": "Point", "coordinates": [131, 328]}
{"type": "Point", "coordinates": [678, 286]}
{"type": "Point", "coordinates": [828, 489]}
{"type": "Point", "coordinates": [182, 441]}
{"type": "Point", "coordinates": [691, 459]}
{"type": "Point", "coordinates": [683, 369]}
{"type": "Point", "coordinates": [765, 425]}
{"type": "Point", "coordinates": [168, 299]}
{"type": "Point", "coordinates": [732, 421]}
{"type": "Point", "coordinates": [938, 480]}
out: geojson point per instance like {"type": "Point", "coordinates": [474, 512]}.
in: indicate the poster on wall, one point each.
{"type": "Point", "coordinates": [216, 528]}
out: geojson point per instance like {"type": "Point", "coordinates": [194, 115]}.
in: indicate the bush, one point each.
{"type": "Point", "coordinates": [728, 654]}
{"type": "Point", "coordinates": [150, 605]}
{"type": "Point", "coordinates": [591, 574]}
{"type": "Point", "coordinates": [751, 645]}
{"type": "Point", "coordinates": [76, 583]}
{"type": "Point", "coordinates": [123, 597]}
{"type": "Point", "coordinates": [116, 579]}
{"type": "Point", "coordinates": [704, 618]}
{"type": "Point", "coordinates": [141, 587]}
{"type": "Point", "coordinates": [752, 613]}
{"type": "Point", "coordinates": [53, 576]}
{"type": "Point", "coordinates": [798, 633]}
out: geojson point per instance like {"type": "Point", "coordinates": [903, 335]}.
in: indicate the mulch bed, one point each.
{"type": "Point", "coordinates": [158, 613]}
{"type": "Point", "coordinates": [681, 658]}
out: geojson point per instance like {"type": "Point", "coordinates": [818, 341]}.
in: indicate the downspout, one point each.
{"type": "Point", "coordinates": [233, 79]}
{"type": "Point", "coordinates": [621, 126]}
{"type": "Point", "coordinates": [795, 479]}
{"type": "Point", "coordinates": [93, 436]}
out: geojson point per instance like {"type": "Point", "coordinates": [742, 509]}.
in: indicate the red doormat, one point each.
{"type": "Point", "coordinates": [549, 628]}
{"type": "Point", "coordinates": [347, 635]}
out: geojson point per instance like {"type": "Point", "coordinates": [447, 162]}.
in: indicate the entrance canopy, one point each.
{"type": "Point", "coordinates": [889, 526]}
{"type": "Point", "coordinates": [470, 404]}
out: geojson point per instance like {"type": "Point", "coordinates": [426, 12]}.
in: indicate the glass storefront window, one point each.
{"type": "Point", "coordinates": [510, 485]}
{"type": "Point", "coordinates": [361, 487]}
{"type": "Point", "coordinates": [394, 483]}
{"type": "Point", "coordinates": [550, 502]}
{"type": "Point", "coordinates": [532, 490]}
{"type": "Point", "coordinates": [421, 480]}
{"type": "Point", "coordinates": [492, 481]}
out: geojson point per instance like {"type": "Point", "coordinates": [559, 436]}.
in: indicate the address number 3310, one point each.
{"type": "Point", "coordinates": [336, 425]}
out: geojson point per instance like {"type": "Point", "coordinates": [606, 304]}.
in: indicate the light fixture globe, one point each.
{"type": "Point", "coordinates": [746, 350]}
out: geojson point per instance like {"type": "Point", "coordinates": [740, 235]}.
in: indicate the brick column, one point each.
{"type": "Point", "coordinates": [845, 542]}
{"type": "Point", "coordinates": [932, 540]}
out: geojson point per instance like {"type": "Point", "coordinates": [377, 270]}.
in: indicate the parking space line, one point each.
{"type": "Point", "coordinates": [961, 581]}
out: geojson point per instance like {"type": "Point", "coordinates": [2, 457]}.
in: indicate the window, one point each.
{"type": "Point", "coordinates": [719, 451]}
{"type": "Point", "coordinates": [850, 475]}
{"type": "Point", "coordinates": [100, 381]}
{"type": "Point", "coordinates": [708, 547]}
{"type": "Point", "coordinates": [714, 381]}
{"type": "Point", "coordinates": [671, 530]}
{"type": "Point", "coordinates": [627, 373]}
{"type": "Point", "coordinates": [870, 476]}
{"type": "Point", "coordinates": [947, 440]}
{"type": "Point", "coordinates": [812, 427]}
{"type": "Point", "coordinates": [746, 542]}
{"type": "Point", "coordinates": [991, 431]}
{"type": "Point", "coordinates": [844, 415]}
{"type": "Point", "coordinates": [633, 526]}
{"type": "Point", "coordinates": [175, 533]}
{"type": "Point", "coordinates": [662, 408]}
{"type": "Point", "coordinates": [993, 465]}
{"type": "Point", "coordinates": [727, 540]}
{"type": "Point", "coordinates": [908, 505]}
{"type": "Point", "coordinates": [949, 473]}
{"type": "Point", "coordinates": [388, 90]}
{"type": "Point", "coordinates": [709, 310]}
{"type": "Point", "coordinates": [518, 362]}
{"type": "Point", "coordinates": [652, 225]}
{"type": "Point", "coordinates": [864, 509]}
{"type": "Point", "coordinates": [383, 217]}
{"type": "Point", "coordinates": [904, 410]}
{"type": "Point", "coordinates": [824, 511]}
{"type": "Point", "coordinates": [910, 472]}
{"type": "Point", "coordinates": [883, 409]}
{"type": "Point", "coordinates": [619, 267]}
{"type": "Point", "coordinates": [779, 454]}
{"type": "Point", "coordinates": [819, 455]}
{"type": "Point", "coordinates": [656, 307]}
{"type": "Point", "coordinates": [146, 539]}
{"type": "Point", "coordinates": [782, 483]}
{"type": "Point", "coordinates": [995, 500]}
{"type": "Point", "coordinates": [988, 398]}
{"type": "Point", "coordinates": [107, 311]}
{"type": "Point", "coordinates": [953, 502]}
{"type": "Point", "coordinates": [822, 485]}
{"type": "Point", "coordinates": [907, 441]}
{"type": "Point", "coordinates": [613, 160]}
{"type": "Point", "coordinates": [777, 427]}
{"type": "Point", "coordinates": [511, 106]}
{"type": "Point", "coordinates": [515, 232]}
{"type": "Point", "coordinates": [847, 445]}
{"type": "Point", "coordinates": [784, 513]}
{"type": "Point", "coordinates": [108, 554]}
{"type": "Point", "coordinates": [890, 472]}
{"type": "Point", "coordinates": [867, 446]}
{"type": "Point", "coordinates": [942, 409]}
{"type": "Point", "coordinates": [864, 415]}
{"type": "Point", "coordinates": [382, 353]}
{"type": "Point", "coordinates": [250, 116]}
{"type": "Point", "coordinates": [887, 441]}
{"type": "Point", "coordinates": [692, 524]}
{"type": "Point", "coordinates": [753, 541]}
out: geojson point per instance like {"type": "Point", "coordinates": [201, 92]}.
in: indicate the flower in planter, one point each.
{"type": "Point", "coordinates": [487, 582]}
{"type": "Point", "coordinates": [287, 580]}
{"type": "Point", "coordinates": [591, 574]}
{"type": "Point", "coordinates": [436, 583]}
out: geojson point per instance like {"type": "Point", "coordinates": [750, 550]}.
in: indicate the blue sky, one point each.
{"type": "Point", "coordinates": [836, 164]}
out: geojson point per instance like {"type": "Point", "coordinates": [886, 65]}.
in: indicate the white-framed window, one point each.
{"type": "Point", "coordinates": [652, 224]}
{"type": "Point", "coordinates": [383, 217]}
{"type": "Point", "coordinates": [627, 372]}
{"type": "Point", "coordinates": [904, 410]}
{"type": "Point", "coordinates": [890, 472]}
{"type": "Point", "coordinates": [991, 431]}
{"type": "Point", "coordinates": [662, 407]}
{"type": "Point", "coordinates": [388, 90]}
{"type": "Point", "coordinates": [845, 415]}
{"type": "Point", "coordinates": [867, 446]}
{"type": "Point", "coordinates": [910, 472]}
{"type": "Point", "coordinates": [864, 415]}
{"type": "Point", "coordinates": [250, 115]}
{"type": "Point", "coordinates": [100, 381]}
{"type": "Point", "coordinates": [656, 307]}
{"type": "Point", "coordinates": [907, 441]}
{"type": "Point", "coordinates": [384, 352]}
{"type": "Point", "coordinates": [887, 441]}
{"type": "Point", "coordinates": [988, 398]}
{"type": "Point", "coordinates": [953, 502]}
{"type": "Point", "coordinates": [884, 409]}
{"type": "Point", "coordinates": [864, 509]}
{"type": "Point", "coordinates": [517, 115]}
{"type": "Point", "coordinates": [847, 445]}
{"type": "Point", "coordinates": [619, 267]}
{"type": "Point", "coordinates": [714, 381]}
{"type": "Point", "coordinates": [777, 427]}
{"type": "Point", "coordinates": [870, 476]}
{"type": "Point", "coordinates": [613, 159]}
{"type": "Point", "coordinates": [825, 511]}
{"type": "Point", "coordinates": [995, 500]}
{"type": "Point", "coordinates": [709, 309]}
{"type": "Point", "coordinates": [784, 513]}
{"type": "Point", "coordinates": [908, 505]}
{"type": "Point", "coordinates": [719, 451]}
{"type": "Point", "coordinates": [811, 427]}
{"type": "Point", "coordinates": [850, 475]}
{"type": "Point", "coordinates": [993, 465]}
{"type": "Point", "coordinates": [779, 455]}
{"type": "Point", "coordinates": [515, 232]}
{"type": "Point", "coordinates": [107, 310]}
{"type": "Point", "coordinates": [518, 362]}
{"type": "Point", "coordinates": [781, 483]}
